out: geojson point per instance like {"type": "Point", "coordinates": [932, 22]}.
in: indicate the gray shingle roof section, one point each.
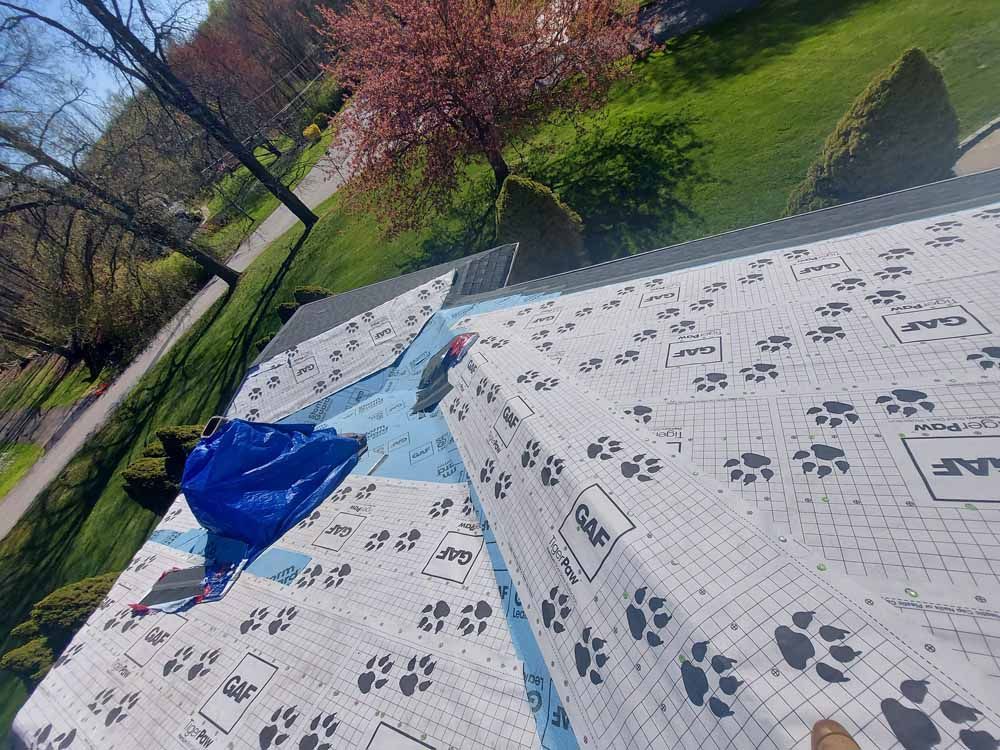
{"type": "Point", "coordinates": [474, 275]}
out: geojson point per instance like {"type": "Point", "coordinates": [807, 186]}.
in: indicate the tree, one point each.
{"type": "Point", "coordinates": [117, 35]}
{"type": "Point", "coordinates": [902, 131]}
{"type": "Point", "coordinates": [438, 83]}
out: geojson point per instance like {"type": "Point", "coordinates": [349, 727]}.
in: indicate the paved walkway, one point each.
{"type": "Point", "coordinates": [984, 155]}
{"type": "Point", "coordinates": [314, 188]}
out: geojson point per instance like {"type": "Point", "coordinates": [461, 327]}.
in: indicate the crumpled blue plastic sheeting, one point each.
{"type": "Point", "coordinates": [253, 482]}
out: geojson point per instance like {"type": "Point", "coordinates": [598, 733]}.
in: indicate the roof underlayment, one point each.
{"type": "Point", "coordinates": [695, 509]}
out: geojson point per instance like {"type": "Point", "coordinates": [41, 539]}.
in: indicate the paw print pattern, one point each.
{"type": "Point", "coordinates": [176, 663]}
{"type": "Point", "coordinates": [413, 681]}
{"type": "Point", "coordinates": [491, 394]}
{"type": "Point", "coordinates": [320, 729]}
{"type": "Point", "coordinates": [501, 486]}
{"type": "Point", "coordinates": [276, 732]}
{"type": "Point", "coordinates": [474, 617]}
{"type": "Point", "coordinates": [590, 657]}
{"type": "Point", "coordinates": [905, 402]}
{"type": "Point", "coordinates": [124, 619]}
{"type": "Point", "coordinates": [486, 473]}
{"type": "Point", "coordinates": [611, 304]}
{"type": "Point", "coordinates": [751, 278]}
{"type": "Point", "coordinates": [590, 365]}
{"type": "Point", "coordinates": [551, 470]}
{"type": "Point", "coordinates": [696, 679]}
{"type": "Point", "coordinates": [627, 357]}
{"type": "Point", "coordinates": [255, 393]}
{"type": "Point", "coordinates": [641, 468]}
{"type": "Point", "coordinates": [653, 283]}
{"type": "Point", "coordinates": [896, 253]}
{"type": "Point", "coordinates": [441, 507]}
{"type": "Point", "coordinates": [61, 741]}
{"type": "Point", "coordinates": [309, 576]}
{"type": "Point", "coordinates": [682, 326]}
{"type": "Point", "coordinates": [891, 273]}
{"type": "Point", "coordinates": [774, 344]}
{"type": "Point", "coordinates": [531, 450]}
{"type": "Point", "coordinates": [539, 335]}
{"type": "Point", "coordinates": [407, 540]}
{"type": "Point", "coordinates": [987, 358]}
{"type": "Point", "coordinates": [748, 467]}
{"type": "Point", "coordinates": [352, 326]}
{"type": "Point", "coordinates": [825, 334]}
{"type": "Point", "coordinates": [336, 355]}
{"type": "Point", "coordinates": [644, 617]}
{"type": "Point", "coordinates": [319, 386]}
{"type": "Point", "coordinates": [625, 290]}
{"type": "Point", "coordinates": [700, 305]}
{"type": "Point", "coordinates": [424, 295]}
{"type": "Point", "coordinates": [254, 620]}
{"type": "Point", "coordinates": [309, 520]}
{"type": "Point", "coordinates": [565, 328]}
{"type": "Point", "coordinates": [943, 226]}
{"type": "Point", "coordinates": [377, 540]}
{"type": "Point", "coordinates": [117, 712]}
{"type": "Point", "coordinates": [337, 576]}
{"type": "Point", "coordinates": [711, 381]}
{"type": "Point", "coordinates": [203, 666]}
{"type": "Point", "coordinates": [640, 413]}
{"type": "Point", "coordinates": [583, 312]}
{"type": "Point", "coordinates": [715, 287]}
{"type": "Point", "coordinates": [67, 655]}
{"type": "Point", "coordinates": [463, 411]}
{"type": "Point", "coordinates": [914, 728]}
{"type": "Point", "coordinates": [364, 493]}
{"type": "Point", "coordinates": [833, 414]}
{"type": "Point", "coordinates": [798, 648]}
{"type": "Point", "coordinates": [375, 676]}
{"type": "Point", "coordinates": [947, 240]}
{"type": "Point", "coordinates": [433, 616]}
{"type": "Point", "coordinates": [481, 386]}
{"type": "Point", "coordinates": [761, 263]}
{"type": "Point", "coordinates": [282, 621]}
{"type": "Point", "coordinates": [273, 382]}
{"type": "Point", "coordinates": [668, 313]}
{"type": "Point", "coordinates": [528, 377]}
{"type": "Point", "coordinates": [604, 448]}
{"type": "Point", "coordinates": [410, 321]}
{"type": "Point", "coordinates": [641, 337]}
{"type": "Point", "coordinates": [546, 384]}
{"type": "Point", "coordinates": [555, 610]}
{"type": "Point", "coordinates": [834, 309]}
{"type": "Point", "coordinates": [796, 254]}
{"type": "Point", "coordinates": [252, 416]}
{"type": "Point", "coordinates": [849, 284]}
{"type": "Point", "coordinates": [759, 373]}
{"type": "Point", "coordinates": [822, 459]}
{"type": "Point", "coordinates": [988, 214]}
{"type": "Point", "coordinates": [352, 345]}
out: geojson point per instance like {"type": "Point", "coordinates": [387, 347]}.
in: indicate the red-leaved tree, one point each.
{"type": "Point", "coordinates": [438, 83]}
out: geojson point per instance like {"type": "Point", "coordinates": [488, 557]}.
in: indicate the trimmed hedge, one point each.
{"type": "Point", "coordinates": [147, 481]}
{"type": "Point", "coordinates": [60, 614]}
{"type": "Point", "coordinates": [550, 233]}
{"type": "Point", "coordinates": [31, 662]}
{"type": "Point", "coordinates": [311, 293]}
{"type": "Point", "coordinates": [902, 131]}
{"type": "Point", "coordinates": [286, 310]}
{"type": "Point", "coordinates": [179, 440]}
{"type": "Point", "coordinates": [26, 631]}
{"type": "Point", "coordinates": [154, 450]}
{"type": "Point", "coordinates": [261, 344]}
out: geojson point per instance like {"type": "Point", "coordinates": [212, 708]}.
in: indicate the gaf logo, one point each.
{"type": "Point", "coordinates": [592, 528]}
{"type": "Point", "coordinates": [661, 296]}
{"type": "Point", "coordinates": [420, 453]}
{"type": "Point", "coordinates": [694, 352]}
{"type": "Point", "coordinates": [815, 268]}
{"type": "Point", "coordinates": [381, 331]}
{"type": "Point", "coordinates": [541, 320]}
{"type": "Point", "coordinates": [163, 628]}
{"type": "Point", "coordinates": [226, 706]}
{"type": "Point", "coordinates": [934, 324]}
{"type": "Point", "coordinates": [304, 368]}
{"type": "Point", "coordinates": [341, 528]}
{"type": "Point", "coordinates": [958, 468]}
{"type": "Point", "coordinates": [513, 413]}
{"type": "Point", "coordinates": [454, 556]}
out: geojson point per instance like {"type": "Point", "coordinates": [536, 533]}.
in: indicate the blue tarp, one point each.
{"type": "Point", "coordinates": [253, 482]}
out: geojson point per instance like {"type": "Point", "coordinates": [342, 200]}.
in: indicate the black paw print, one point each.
{"type": "Point", "coordinates": [627, 357]}
{"type": "Point", "coordinates": [797, 647]}
{"type": "Point", "coordinates": [896, 253]}
{"type": "Point", "coordinates": [124, 619]}
{"type": "Point", "coordinates": [411, 320]}
{"type": "Point", "coordinates": [945, 241]}
{"type": "Point", "coordinates": [463, 412]}
{"type": "Point", "coordinates": [643, 625]}
{"type": "Point", "coordinates": [438, 284]}
{"type": "Point", "coordinates": [255, 393]}
{"type": "Point", "coordinates": [335, 375]}
{"type": "Point", "coordinates": [67, 655]}
{"type": "Point", "coordinates": [604, 448]}
{"type": "Point", "coordinates": [467, 506]}
{"type": "Point", "coordinates": [641, 468]}
{"type": "Point", "coordinates": [368, 317]}
{"type": "Point", "coordinates": [486, 473]}
{"type": "Point", "coordinates": [544, 346]}
{"type": "Point", "coordinates": [825, 334]}
{"type": "Point", "coordinates": [905, 401]}
{"type": "Point", "coordinates": [320, 729]}
{"type": "Point", "coordinates": [668, 313]}
{"type": "Point", "coordinates": [273, 382]}
{"type": "Point", "coordinates": [565, 328]}
{"type": "Point", "coordinates": [491, 394]}
{"type": "Point", "coordinates": [309, 576]}
{"type": "Point", "coordinates": [319, 386]}
{"type": "Point", "coordinates": [715, 287]}
{"type": "Point", "coordinates": [283, 620]}
{"type": "Point", "coordinates": [551, 470]}
{"type": "Point", "coordinates": [176, 663]}
{"type": "Point", "coordinates": [590, 657]}
{"type": "Point", "coordinates": [426, 310]}
{"type": "Point", "coordinates": [702, 304]}
{"type": "Point", "coordinates": [987, 358]}
{"type": "Point", "coordinates": [352, 327]}
{"type": "Point", "coordinates": [833, 414]}
{"type": "Point", "coordinates": [115, 713]}
{"type": "Point", "coordinates": [913, 728]}
{"type": "Point", "coordinates": [583, 312]}
{"type": "Point", "coordinates": [252, 415]}
{"type": "Point", "coordinates": [474, 618]}
{"type": "Point", "coordinates": [481, 386]}
{"type": "Point", "coordinates": [751, 278]}
{"type": "Point", "coordinates": [891, 273]}
{"type": "Point", "coordinates": [943, 226]}
{"type": "Point", "coordinates": [336, 355]}
{"type": "Point", "coordinates": [423, 295]}
{"type": "Point", "coordinates": [203, 666]}
{"type": "Point", "coordinates": [652, 283]}
{"type": "Point", "coordinates": [625, 290]}
{"type": "Point", "coordinates": [796, 254]}
{"type": "Point", "coordinates": [547, 305]}
{"type": "Point", "coordinates": [834, 309]}
{"type": "Point", "coordinates": [352, 345]}
{"type": "Point", "coordinates": [531, 450]}
{"type": "Point", "coordinates": [501, 486]}
{"type": "Point", "coordinates": [342, 492]}
{"type": "Point", "coordinates": [774, 344]}
{"type": "Point", "coordinates": [411, 682]}
{"type": "Point", "coordinates": [441, 507]}
{"type": "Point", "coordinates": [611, 304]}
{"type": "Point", "coordinates": [539, 335]}
{"type": "Point", "coordinates": [337, 576]}
{"type": "Point", "coordinates": [641, 337]}
{"type": "Point", "coordinates": [759, 373]}
{"type": "Point", "coordinates": [555, 610]}
{"type": "Point", "coordinates": [822, 459]}
{"type": "Point", "coordinates": [748, 467]}
{"type": "Point", "coordinates": [989, 213]}
{"type": "Point", "coordinates": [711, 381]}
{"type": "Point", "coordinates": [528, 377]}
{"type": "Point", "coordinates": [594, 363]}
{"type": "Point", "coordinates": [61, 741]}
{"type": "Point", "coordinates": [398, 347]}
{"type": "Point", "coordinates": [364, 493]}
{"type": "Point", "coordinates": [433, 616]}
{"type": "Point", "coordinates": [276, 732]}
{"type": "Point", "coordinates": [546, 384]}
{"type": "Point", "coordinates": [254, 620]}
{"type": "Point", "coordinates": [377, 540]}
{"type": "Point", "coordinates": [640, 413]}
{"type": "Point", "coordinates": [696, 683]}
{"type": "Point", "coordinates": [407, 540]}
{"type": "Point", "coordinates": [524, 311]}
{"type": "Point", "coordinates": [682, 326]}
{"type": "Point", "coordinates": [309, 520]}
{"type": "Point", "coordinates": [761, 263]}
{"type": "Point", "coordinates": [369, 680]}
{"type": "Point", "coordinates": [849, 284]}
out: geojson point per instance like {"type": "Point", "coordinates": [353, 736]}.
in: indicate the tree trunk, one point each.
{"type": "Point", "coordinates": [37, 344]}
{"type": "Point", "coordinates": [499, 164]}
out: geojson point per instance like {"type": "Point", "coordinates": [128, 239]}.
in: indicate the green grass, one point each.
{"type": "Point", "coordinates": [46, 383]}
{"type": "Point", "coordinates": [757, 95]}
{"type": "Point", "coordinates": [15, 460]}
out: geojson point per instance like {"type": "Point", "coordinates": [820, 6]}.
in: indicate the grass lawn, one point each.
{"type": "Point", "coordinates": [46, 383]}
{"type": "Point", "coordinates": [750, 103]}
{"type": "Point", "coordinates": [15, 460]}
